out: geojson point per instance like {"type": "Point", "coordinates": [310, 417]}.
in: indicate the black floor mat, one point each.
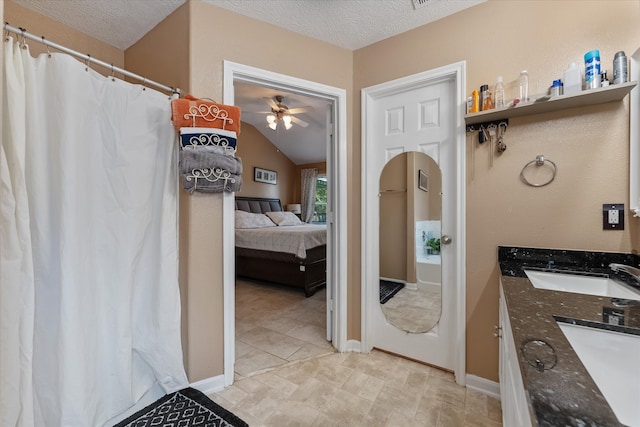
{"type": "Point", "coordinates": [388, 289]}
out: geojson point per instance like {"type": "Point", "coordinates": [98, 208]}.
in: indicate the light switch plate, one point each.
{"type": "Point", "coordinates": [613, 216]}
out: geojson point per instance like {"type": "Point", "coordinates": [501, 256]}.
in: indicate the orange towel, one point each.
{"type": "Point", "coordinates": [193, 112]}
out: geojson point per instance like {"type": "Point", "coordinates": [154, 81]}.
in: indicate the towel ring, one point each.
{"type": "Point", "coordinates": [539, 161]}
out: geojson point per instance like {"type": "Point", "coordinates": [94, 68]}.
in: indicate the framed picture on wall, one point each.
{"type": "Point", "coordinates": [423, 180]}
{"type": "Point", "coordinates": [265, 175]}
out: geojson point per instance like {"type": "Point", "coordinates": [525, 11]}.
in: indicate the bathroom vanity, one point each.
{"type": "Point", "coordinates": [547, 378]}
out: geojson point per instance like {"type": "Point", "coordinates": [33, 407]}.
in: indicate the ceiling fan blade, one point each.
{"type": "Point", "coordinates": [299, 110]}
{"type": "Point", "coordinates": [299, 122]}
{"type": "Point", "coordinates": [272, 103]}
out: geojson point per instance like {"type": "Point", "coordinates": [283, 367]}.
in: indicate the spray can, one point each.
{"type": "Point", "coordinates": [620, 68]}
{"type": "Point", "coordinates": [592, 69]}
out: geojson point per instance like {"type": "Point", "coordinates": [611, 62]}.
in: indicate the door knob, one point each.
{"type": "Point", "coordinates": [446, 239]}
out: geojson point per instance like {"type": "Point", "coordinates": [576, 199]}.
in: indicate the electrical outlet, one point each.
{"type": "Point", "coordinates": [613, 216]}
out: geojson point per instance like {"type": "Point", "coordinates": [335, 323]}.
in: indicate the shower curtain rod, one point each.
{"type": "Point", "coordinates": [88, 58]}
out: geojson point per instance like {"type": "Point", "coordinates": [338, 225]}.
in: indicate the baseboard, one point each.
{"type": "Point", "coordinates": [483, 385]}
{"type": "Point", "coordinates": [353, 346]}
{"type": "Point", "coordinates": [209, 385]}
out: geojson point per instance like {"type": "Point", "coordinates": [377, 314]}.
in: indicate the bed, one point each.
{"type": "Point", "coordinates": [300, 262]}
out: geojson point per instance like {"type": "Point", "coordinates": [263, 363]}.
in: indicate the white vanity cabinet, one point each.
{"type": "Point", "coordinates": [515, 410]}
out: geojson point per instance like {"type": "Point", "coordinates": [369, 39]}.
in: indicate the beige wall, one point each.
{"type": "Point", "coordinates": [215, 35]}
{"type": "Point", "coordinates": [590, 145]}
{"type": "Point", "coordinates": [257, 151]}
{"type": "Point", "coordinates": [218, 35]}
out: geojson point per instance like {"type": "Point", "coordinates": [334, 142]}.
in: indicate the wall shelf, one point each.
{"type": "Point", "coordinates": [548, 104]}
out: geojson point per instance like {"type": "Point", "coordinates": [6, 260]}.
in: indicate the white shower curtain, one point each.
{"type": "Point", "coordinates": [89, 299]}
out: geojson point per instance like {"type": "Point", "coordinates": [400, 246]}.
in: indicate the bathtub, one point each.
{"type": "Point", "coordinates": [428, 271]}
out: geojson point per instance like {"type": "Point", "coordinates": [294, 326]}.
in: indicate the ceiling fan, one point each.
{"type": "Point", "coordinates": [282, 113]}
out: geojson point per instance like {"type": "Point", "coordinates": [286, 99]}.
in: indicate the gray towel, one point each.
{"type": "Point", "coordinates": [196, 182]}
{"type": "Point", "coordinates": [202, 159]}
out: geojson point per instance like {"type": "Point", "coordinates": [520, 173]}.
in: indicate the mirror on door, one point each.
{"type": "Point", "coordinates": [410, 231]}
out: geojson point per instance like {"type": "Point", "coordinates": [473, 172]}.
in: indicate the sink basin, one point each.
{"type": "Point", "coordinates": [611, 358]}
{"type": "Point", "coordinates": [589, 285]}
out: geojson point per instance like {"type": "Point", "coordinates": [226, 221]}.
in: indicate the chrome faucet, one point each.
{"type": "Point", "coordinates": [632, 271]}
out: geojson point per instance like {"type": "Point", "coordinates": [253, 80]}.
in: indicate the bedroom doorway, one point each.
{"type": "Point", "coordinates": [335, 213]}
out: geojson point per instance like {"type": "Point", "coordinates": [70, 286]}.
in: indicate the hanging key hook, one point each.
{"type": "Point", "coordinates": [502, 128]}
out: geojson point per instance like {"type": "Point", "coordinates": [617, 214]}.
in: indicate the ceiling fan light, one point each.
{"type": "Point", "coordinates": [288, 125]}
{"type": "Point", "coordinates": [287, 121]}
{"type": "Point", "coordinates": [271, 119]}
{"type": "Point", "coordinates": [273, 125]}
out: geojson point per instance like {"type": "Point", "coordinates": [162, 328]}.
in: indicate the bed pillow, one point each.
{"type": "Point", "coordinates": [284, 218]}
{"type": "Point", "coordinates": [252, 220]}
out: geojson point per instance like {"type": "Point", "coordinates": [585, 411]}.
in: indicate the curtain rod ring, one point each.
{"type": "Point", "coordinates": [113, 72]}
{"type": "Point", "coordinates": [47, 46]}
{"type": "Point", "coordinates": [24, 39]}
{"type": "Point", "coordinates": [144, 83]}
{"type": "Point", "coordinates": [86, 62]}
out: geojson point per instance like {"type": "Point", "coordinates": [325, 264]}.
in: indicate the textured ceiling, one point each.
{"type": "Point", "coordinates": [351, 24]}
{"type": "Point", "coordinates": [119, 23]}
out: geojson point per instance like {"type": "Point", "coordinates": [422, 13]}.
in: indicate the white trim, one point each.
{"type": "Point", "coordinates": [354, 346]}
{"type": "Point", "coordinates": [483, 385]}
{"type": "Point", "coordinates": [238, 72]}
{"type": "Point", "coordinates": [210, 385]}
{"type": "Point", "coordinates": [634, 136]}
{"type": "Point", "coordinates": [369, 254]}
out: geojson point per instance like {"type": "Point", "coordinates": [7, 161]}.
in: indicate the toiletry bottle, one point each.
{"type": "Point", "coordinates": [499, 93]}
{"type": "Point", "coordinates": [556, 88]}
{"type": "Point", "coordinates": [483, 92]}
{"type": "Point", "coordinates": [572, 80]}
{"type": "Point", "coordinates": [592, 69]}
{"type": "Point", "coordinates": [475, 102]}
{"type": "Point", "coordinates": [620, 68]}
{"type": "Point", "coordinates": [487, 100]}
{"type": "Point", "coordinates": [523, 81]}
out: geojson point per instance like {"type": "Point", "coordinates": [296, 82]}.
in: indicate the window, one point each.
{"type": "Point", "coordinates": [320, 214]}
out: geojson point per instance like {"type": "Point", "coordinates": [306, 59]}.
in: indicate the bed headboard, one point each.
{"type": "Point", "coordinates": [258, 204]}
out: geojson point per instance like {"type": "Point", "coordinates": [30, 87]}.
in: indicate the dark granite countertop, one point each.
{"type": "Point", "coordinates": [564, 395]}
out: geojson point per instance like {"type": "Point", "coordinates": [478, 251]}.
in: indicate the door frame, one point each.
{"type": "Point", "coordinates": [336, 221]}
{"type": "Point", "coordinates": [370, 220]}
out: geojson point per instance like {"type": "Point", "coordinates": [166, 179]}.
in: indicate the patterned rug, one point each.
{"type": "Point", "coordinates": [388, 290]}
{"type": "Point", "coordinates": [184, 408]}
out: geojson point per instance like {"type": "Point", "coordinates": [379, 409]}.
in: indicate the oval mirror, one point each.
{"type": "Point", "coordinates": [410, 231]}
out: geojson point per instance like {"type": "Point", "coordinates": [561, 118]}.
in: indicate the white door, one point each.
{"type": "Point", "coordinates": [420, 117]}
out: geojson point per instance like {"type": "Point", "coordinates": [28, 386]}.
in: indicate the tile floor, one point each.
{"type": "Point", "coordinates": [298, 387]}
{"type": "Point", "coordinates": [414, 310]}
{"type": "Point", "coordinates": [277, 325]}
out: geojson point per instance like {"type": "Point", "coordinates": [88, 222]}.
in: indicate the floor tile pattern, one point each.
{"type": "Point", "coordinates": [277, 388]}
